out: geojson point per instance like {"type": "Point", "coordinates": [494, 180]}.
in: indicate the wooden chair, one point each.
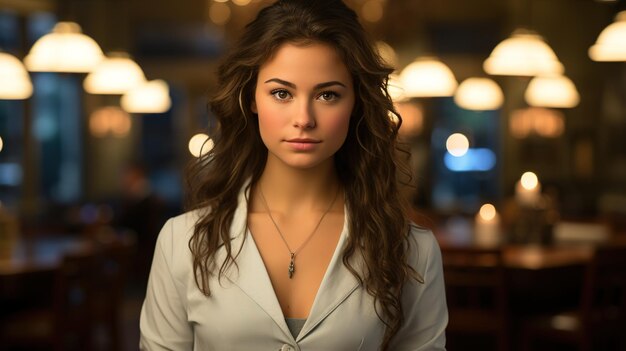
{"type": "Point", "coordinates": [109, 282]}
{"type": "Point", "coordinates": [600, 321]}
{"type": "Point", "coordinates": [66, 324]}
{"type": "Point", "coordinates": [476, 292]}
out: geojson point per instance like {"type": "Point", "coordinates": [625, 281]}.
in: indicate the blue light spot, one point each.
{"type": "Point", "coordinates": [477, 159]}
{"type": "Point", "coordinates": [10, 174]}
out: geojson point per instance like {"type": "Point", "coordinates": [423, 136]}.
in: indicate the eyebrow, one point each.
{"type": "Point", "coordinates": [317, 86]}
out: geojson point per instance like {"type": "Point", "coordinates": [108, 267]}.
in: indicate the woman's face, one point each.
{"type": "Point", "coordinates": [304, 99]}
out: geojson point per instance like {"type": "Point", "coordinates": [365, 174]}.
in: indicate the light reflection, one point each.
{"type": "Point", "coordinates": [219, 13]}
{"type": "Point", "coordinates": [487, 212]}
{"type": "Point", "coordinates": [476, 159]}
{"type": "Point", "coordinates": [457, 144]}
{"type": "Point", "coordinates": [529, 180]}
{"type": "Point", "coordinates": [200, 144]}
{"type": "Point", "coordinates": [540, 121]}
{"type": "Point", "coordinates": [110, 121]}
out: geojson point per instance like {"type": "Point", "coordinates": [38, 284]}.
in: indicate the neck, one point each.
{"type": "Point", "coordinates": [290, 190]}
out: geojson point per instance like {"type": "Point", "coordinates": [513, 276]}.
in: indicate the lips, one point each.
{"type": "Point", "coordinates": [303, 144]}
{"type": "Point", "coordinates": [303, 141]}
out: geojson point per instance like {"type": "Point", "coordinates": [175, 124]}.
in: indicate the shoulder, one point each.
{"type": "Point", "coordinates": [176, 232]}
{"type": "Point", "coordinates": [424, 251]}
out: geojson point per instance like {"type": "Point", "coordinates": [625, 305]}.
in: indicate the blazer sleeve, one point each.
{"type": "Point", "coordinates": [425, 308]}
{"type": "Point", "coordinates": [163, 322]}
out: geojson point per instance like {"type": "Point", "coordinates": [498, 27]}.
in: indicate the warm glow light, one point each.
{"type": "Point", "coordinates": [611, 43]}
{"type": "Point", "coordinates": [529, 180]}
{"type": "Point", "coordinates": [428, 77]}
{"type": "Point", "coordinates": [457, 144]}
{"type": "Point", "coordinates": [372, 10]}
{"type": "Point", "coordinates": [15, 82]}
{"type": "Point", "coordinates": [479, 94]}
{"type": "Point", "coordinates": [487, 212]}
{"type": "Point", "coordinates": [219, 13]}
{"type": "Point", "coordinates": [395, 88]}
{"type": "Point", "coordinates": [556, 91]}
{"type": "Point", "coordinates": [524, 53]}
{"type": "Point", "coordinates": [115, 75]}
{"type": "Point", "coordinates": [150, 97]}
{"type": "Point", "coordinates": [412, 118]}
{"type": "Point", "coordinates": [242, 2]}
{"type": "Point", "coordinates": [65, 49]}
{"type": "Point", "coordinates": [387, 53]}
{"type": "Point", "coordinates": [200, 144]}
{"type": "Point", "coordinates": [541, 121]}
{"type": "Point", "coordinates": [1, 144]}
{"type": "Point", "coordinates": [109, 121]}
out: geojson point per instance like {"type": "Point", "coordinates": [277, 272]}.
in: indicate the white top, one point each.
{"type": "Point", "coordinates": [243, 312]}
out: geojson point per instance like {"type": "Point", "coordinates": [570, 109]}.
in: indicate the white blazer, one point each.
{"type": "Point", "coordinates": [243, 312]}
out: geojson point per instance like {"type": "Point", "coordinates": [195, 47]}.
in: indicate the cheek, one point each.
{"type": "Point", "coordinates": [271, 121]}
{"type": "Point", "coordinates": [338, 125]}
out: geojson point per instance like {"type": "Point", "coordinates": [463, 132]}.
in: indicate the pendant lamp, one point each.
{"type": "Point", "coordinates": [65, 49]}
{"type": "Point", "coordinates": [479, 94]}
{"type": "Point", "coordinates": [15, 83]}
{"type": "Point", "coordinates": [428, 77]}
{"type": "Point", "coordinates": [524, 53]}
{"type": "Point", "coordinates": [611, 43]}
{"type": "Point", "coordinates": [556, 91]}
{"type": "Point", "coordinates": [149, 97]}
{"type": "Point", "coordinates": [115, 75]}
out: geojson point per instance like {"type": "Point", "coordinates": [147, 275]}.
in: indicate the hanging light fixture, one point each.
{"type": "Point", "coordinates": [611, 43]}
{"type": "Point", "coordinates": [555, 91]}
{"type": "Point", "coordinates": [428, 77]}
{"type": "Point", "coordinates": [115, 75]}
{"type": "Point", "coordinates": [149, 97]}
{"type": "Point", "coordinates": [15, 83]}
{"type": "Point", "coordinates": [524, 53]}
{"type": "Point", "coordinates": [65, 49]}
{"type": "Point", "coordinates": [479, 94]}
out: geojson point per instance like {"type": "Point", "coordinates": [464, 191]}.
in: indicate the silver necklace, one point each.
{"type": "Point", "coordinates": [293, 253]}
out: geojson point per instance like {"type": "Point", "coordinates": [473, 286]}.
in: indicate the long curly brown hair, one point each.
{"type": "Point", "coordinates": [366, 164]}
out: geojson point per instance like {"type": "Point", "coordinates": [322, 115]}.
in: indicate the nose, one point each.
{"type": "Point", "coordinates": [305, 116]}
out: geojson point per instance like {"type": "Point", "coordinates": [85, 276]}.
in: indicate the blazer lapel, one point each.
{"type": "Point", "coordinates": [337, 285]}
{"type": "Point", "coordinates": [250, 274]}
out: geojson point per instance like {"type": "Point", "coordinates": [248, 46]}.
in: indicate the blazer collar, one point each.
{"type": "Point", "coordinates": [252, 278]}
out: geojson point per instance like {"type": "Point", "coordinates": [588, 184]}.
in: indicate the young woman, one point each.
{"type": "Point", "coordinates": [298, 239]}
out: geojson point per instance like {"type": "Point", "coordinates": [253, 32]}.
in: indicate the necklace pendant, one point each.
{"type": "Point", "coordinates": [292, 267]}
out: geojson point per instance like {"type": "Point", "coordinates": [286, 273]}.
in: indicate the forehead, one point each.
{"type": "Point", "coordinates": [314, 61]}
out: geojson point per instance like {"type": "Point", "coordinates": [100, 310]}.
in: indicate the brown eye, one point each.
{"type": "Point", "coordinates": [328, 96]}
{"type": "Point", "coordinates": [281, 94]}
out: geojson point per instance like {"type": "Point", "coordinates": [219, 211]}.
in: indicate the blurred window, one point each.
{"type": "Point", "coordinates": [463, 183]}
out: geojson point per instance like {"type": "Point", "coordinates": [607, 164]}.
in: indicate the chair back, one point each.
{"type": "Point", "coordinates": [476, 293]}
{"type": "Point", "coordinates": [73, 295]}
{"type": "Point", "coordinates": [109, 282]}
{"type": "Point", "coordinates": [604, 298]}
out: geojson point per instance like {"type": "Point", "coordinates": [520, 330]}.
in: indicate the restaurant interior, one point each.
{"type": "Point", "coordinates": [514, 118]}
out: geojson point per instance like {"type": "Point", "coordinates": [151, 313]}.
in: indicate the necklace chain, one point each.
{"type": "Point", "coordinates": [293, 253]}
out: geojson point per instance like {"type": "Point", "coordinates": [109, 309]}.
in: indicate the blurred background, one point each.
{"type": "Point", "coordinates": [514, 113]}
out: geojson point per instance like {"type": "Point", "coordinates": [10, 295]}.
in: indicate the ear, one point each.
{"type": "Point", "coordinates": [253, 107]}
